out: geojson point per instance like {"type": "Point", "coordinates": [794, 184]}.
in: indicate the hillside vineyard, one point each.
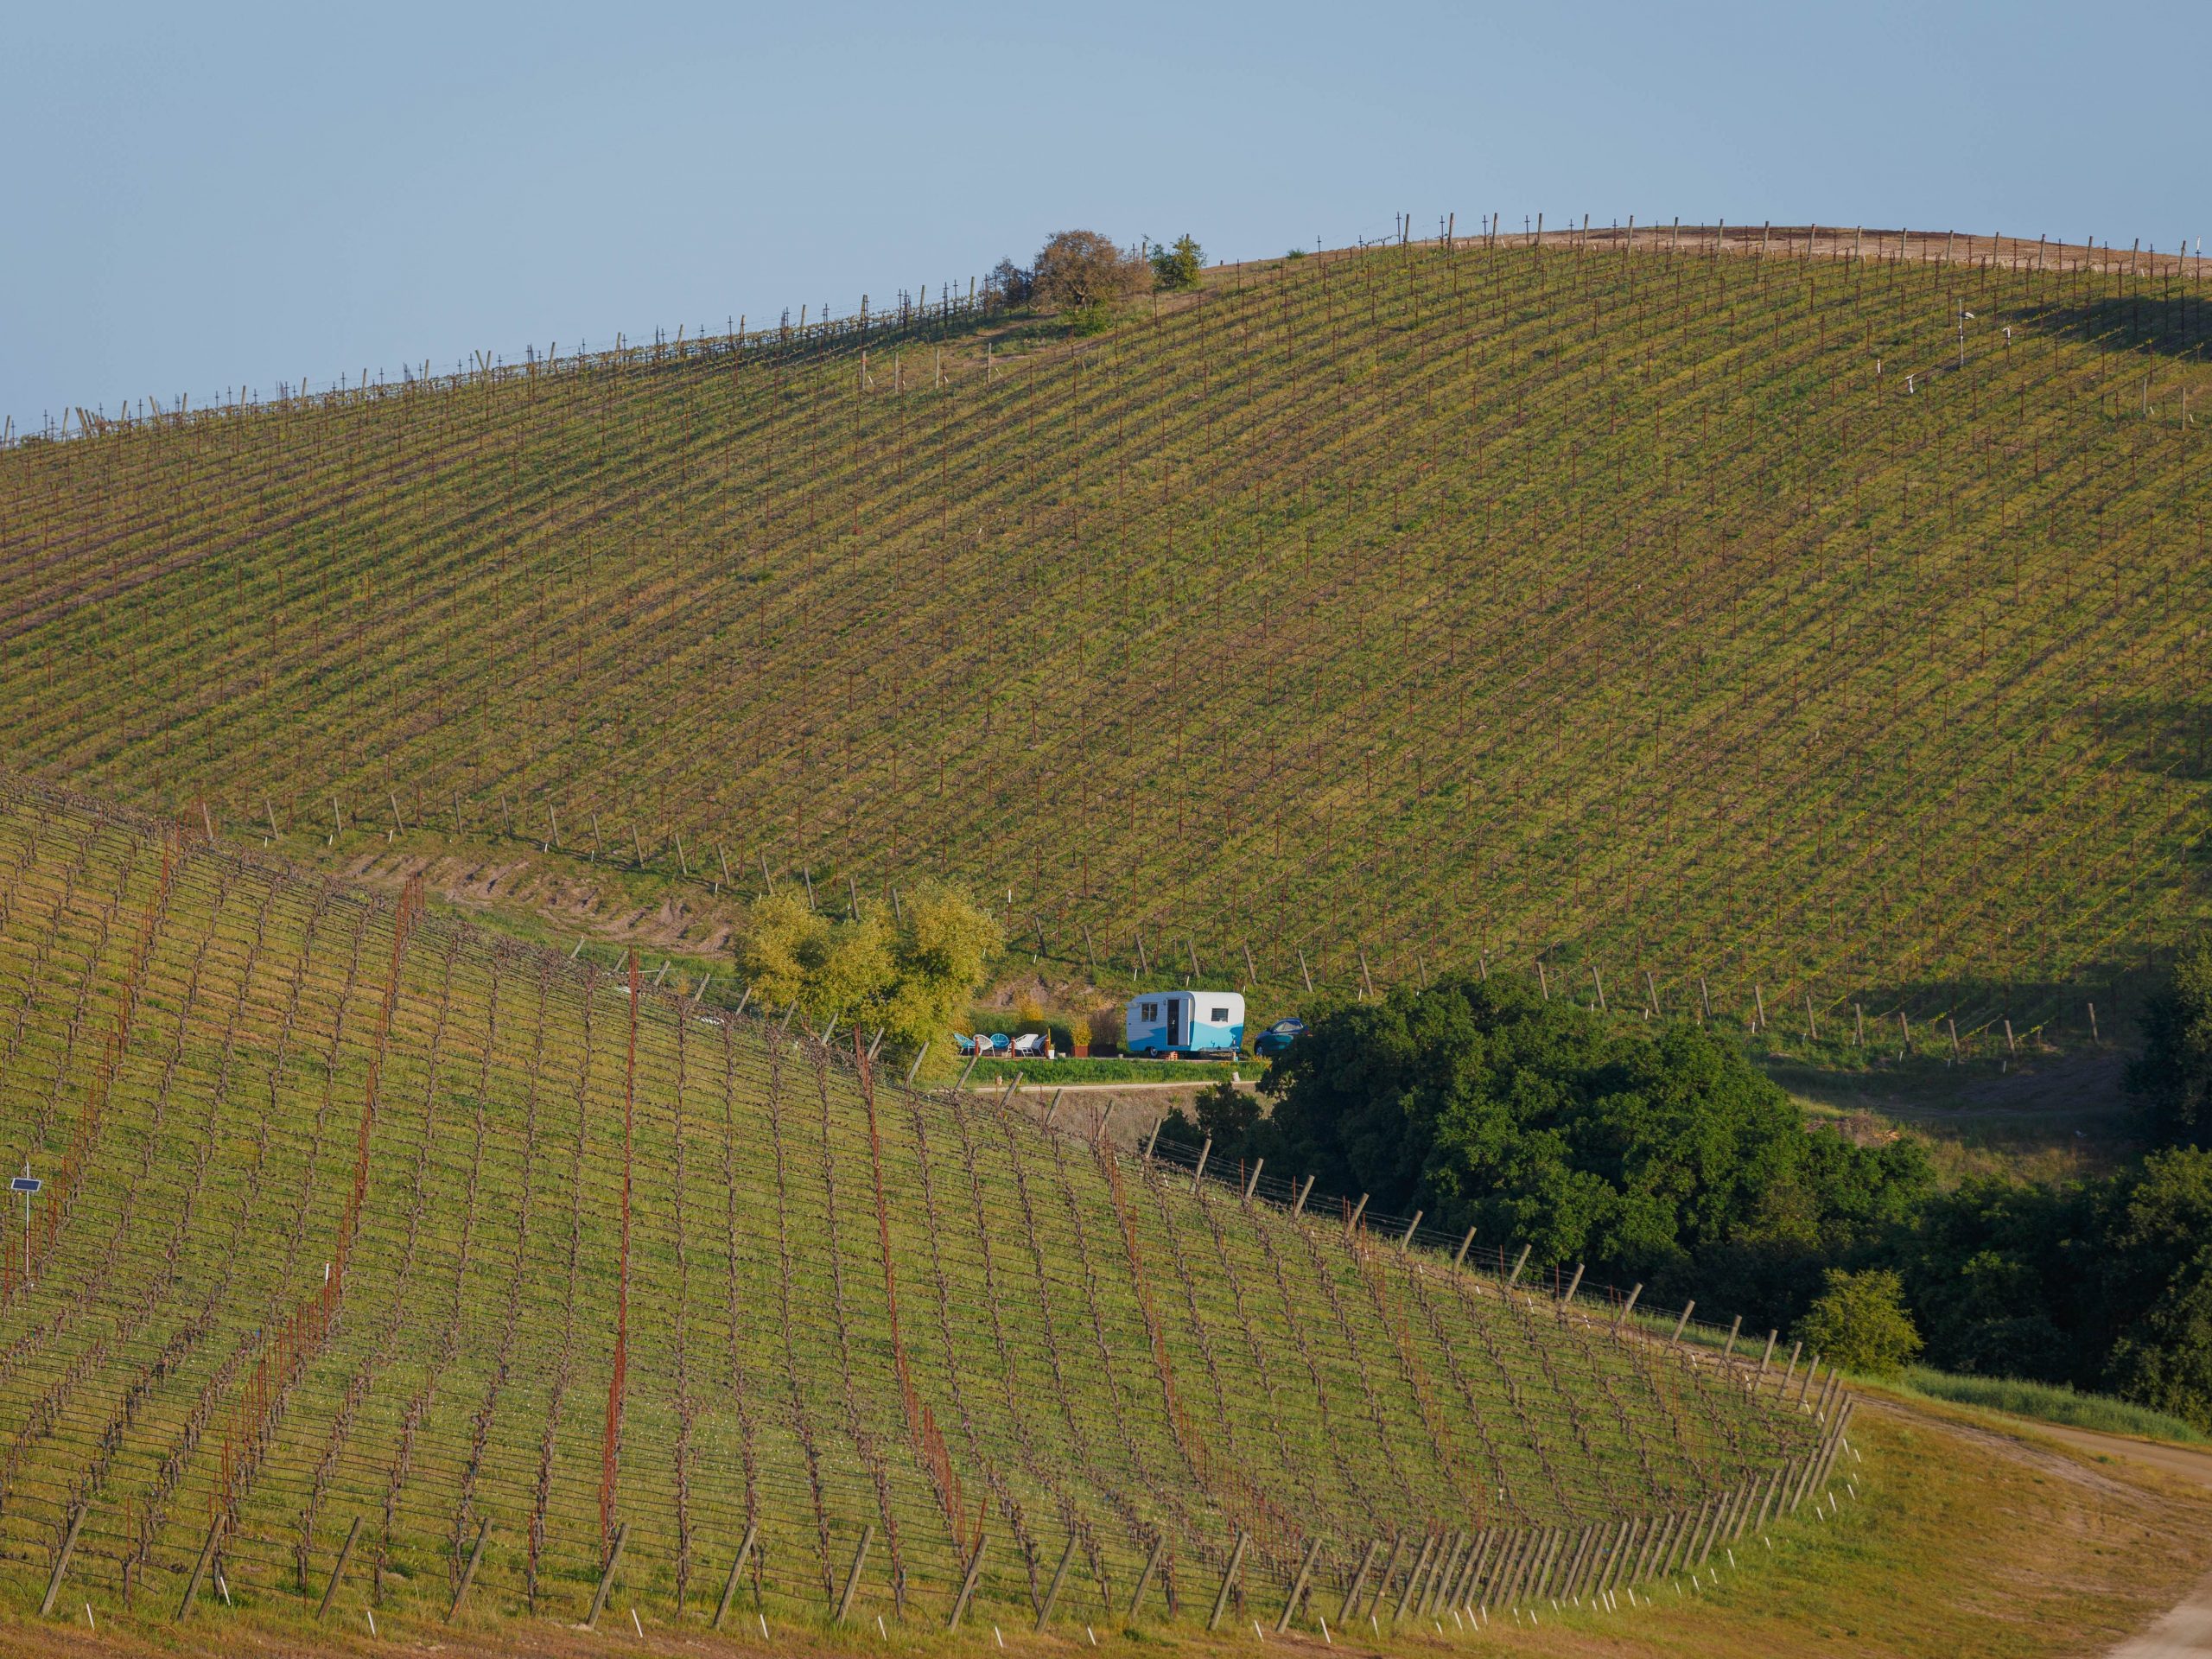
{"type": "Point", "coordinates": [1740, 614]}
{"type": "Point", "coordinates": [365, 1238]}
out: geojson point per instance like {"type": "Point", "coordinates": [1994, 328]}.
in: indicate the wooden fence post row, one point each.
{"type": "Point", "coordinates": [1458, 1572]}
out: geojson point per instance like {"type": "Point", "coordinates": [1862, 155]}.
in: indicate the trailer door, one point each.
{"type": "Point", "coordinates": [1175, 1022]}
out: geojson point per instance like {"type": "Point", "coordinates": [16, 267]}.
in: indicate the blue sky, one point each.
{"type": "Point", "coordinates": [201, 198]}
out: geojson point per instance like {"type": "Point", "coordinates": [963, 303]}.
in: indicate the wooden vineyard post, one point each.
{"type": "Point", "coordinates": [1227, 1582]}
{"type": "Point", "coordinates": [1366, 979]}
{"type": "Point", "coordinates": [1683, 1324]}
{"type": "Point", "coordinates": [1052, 1590]}
{"type": "Point", "coordinates": [1628, 1307]}
{"type": "Point", "coordinates": [1735, 1325]}
{"type": "Point", "coordinates": [1405, 1242]}
{"type": "Point", "coordinates": [199, 1569]}
{"type": "Point", "coordinates": [1573, 1285]}
{"type": "Point", "coordinates": [62, 1557]}
{"type": "Point", "coordinates": [1359, 1582]}
{"type": "Point", "coordinates": [1298, 1585]}
{"type": "Point", "coordinates": [606, 1576]}
{"type": "Point", "coordinates": [1091, 955]}
{"type": "Point", "coordinates": [1519, 1262]}
{"type": "Point", "coordinates": [469, 1572]}
{"type": "Point", "coordinates": [1382, 1579]}
{"type": "Point", "coordinates": [338, 1568]}
{"type": "Point", "coordinates": [975, 1572]}
{"type": "Point", "coordinates": [1304, 972]}
{"type": "Point", "coordinates": [1413, 1579]}
{"type": "Point", "coordinates": [1351, 1221]}
{"type": "Point", "coordinates": [1251, 974]}
{"type": "Point", "coordinates": [1144, 1578]}
{"type": "Point", "coordinates": [1251, 1181]}
{"type": "Point", "coordinates": [1767, 1358]}
{"type": "Point", "coordinates": [1460, 1256]}
{"type": "Point", "coordinates": [1199, 1173]}
{"type": "Point", "coordinates": [1859, 1025]}
{"type": "Point", "coordinates": [737, 1566]}
{"type": "Point", "coordinates": [852, 1578]}
{"type": "Point", "coordinates": [1705, 1002]}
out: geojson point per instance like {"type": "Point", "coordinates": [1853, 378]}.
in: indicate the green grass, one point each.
{"type": "Point", "coordinates": [1400, 609]}
{"type": "Point", "coordinates": [1044, 1074]}
{"type": "Point", "coordinates": [338, 1232]}
{"type": "Point", "coordinates": [2053, 1403]}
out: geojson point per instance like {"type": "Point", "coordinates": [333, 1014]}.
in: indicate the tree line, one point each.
{"type": "Point", "coordinates": [1663, 1155]}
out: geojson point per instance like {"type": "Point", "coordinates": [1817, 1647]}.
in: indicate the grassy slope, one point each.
{"type": "Point", "coordinates": [1409, 605]}
{"type": "Point", "coordinates": [202, 1052]}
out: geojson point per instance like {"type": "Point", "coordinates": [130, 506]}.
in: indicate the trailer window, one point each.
{"type": "Point", "coordinates": [1151, 1011]}
{"type": "Point", "coordinates": [1220, 1016]}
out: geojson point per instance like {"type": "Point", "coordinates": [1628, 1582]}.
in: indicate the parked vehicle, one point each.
{"type": "Point", "coordinates": [1278, 1038]}
{"type": "Point", "coordinates": [1196, 1023]}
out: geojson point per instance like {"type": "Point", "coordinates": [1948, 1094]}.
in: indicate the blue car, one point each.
{"type": "Point", "coordinates": [1278, 1038]}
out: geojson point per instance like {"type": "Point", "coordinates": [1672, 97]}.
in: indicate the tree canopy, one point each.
{"type": "Point", "coordinates": [910, 973]}
{"type": "Point", "coordinates": [1661, 1156]}
{"type": "Point", "coordinates": [2173, 1074]}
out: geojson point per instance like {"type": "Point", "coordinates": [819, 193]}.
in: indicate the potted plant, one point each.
{"type": "Point", "coordinates": [1080, 1037]}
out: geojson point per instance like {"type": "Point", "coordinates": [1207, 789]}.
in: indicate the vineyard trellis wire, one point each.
{"type": "Point", "coordinates": [1578, 600]}
{"type": "Point", "coordinates": [429, 1391]}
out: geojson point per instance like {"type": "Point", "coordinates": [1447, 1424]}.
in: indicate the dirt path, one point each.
{"type": "Point", "coordinates": [2188, 1628]}
{"type": "Point", "coordinates": [2184, 1631]}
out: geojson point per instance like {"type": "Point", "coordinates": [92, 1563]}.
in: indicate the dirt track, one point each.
{"type": "Point", "coordinates": [2185, 1629]}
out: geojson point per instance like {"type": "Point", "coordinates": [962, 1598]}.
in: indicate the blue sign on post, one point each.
{"type": "Point", "coordinates": [25, 1183]}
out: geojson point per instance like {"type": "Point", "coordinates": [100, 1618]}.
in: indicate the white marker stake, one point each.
{"type": "Point", "coordinates": [994, 1632]}
{"type": "Point", "coordinates": [879, 1631]}
{"type": "Point", "coordinates": [763, 1617]}
{"type": "Point", "coordinates": [370, 1613]}
{"type": "Point", "coordinates": [1257, 1632]}
{"type": "Point", "coordinates": [634, 1625]}
{"type": "Point", "coordinates": [220, 1586]}
{"type": "Point", "coordinates": [88, 1616]}
{"type": "Point", "coordinates": [1324, 1631]}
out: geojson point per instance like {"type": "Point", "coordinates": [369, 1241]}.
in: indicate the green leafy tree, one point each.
{"type": "Point", "coordinates": [2159, 1286]}
{"type": "Point", "coordinates": [1221, 1113]}
{"type": "Point", "coordinates": [1858, 1321]}
{"type": "Point", "coordinates": [911, 976]}
{"type": "Point", "coordinates": [1177, 266]}
{"type": "Point", "coordinates": [2173, 1074]}
{"type": "Point", "coordinates": [1661, 1156]}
